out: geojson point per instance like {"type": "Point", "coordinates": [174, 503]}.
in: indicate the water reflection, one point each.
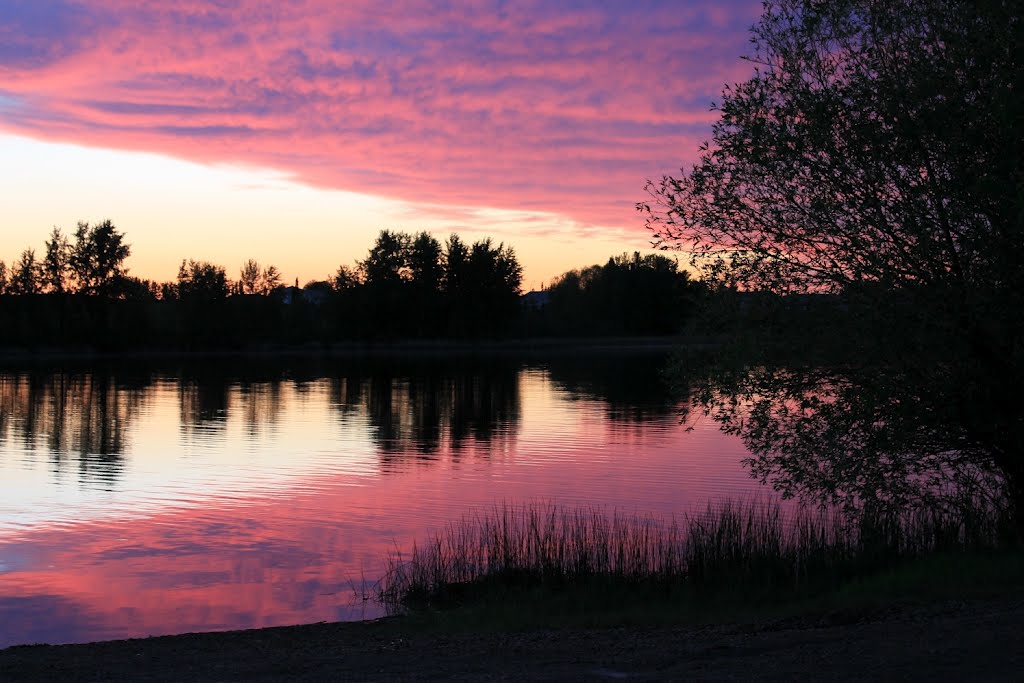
{"type": "Point", "coordinates": [638, 398]}
{"type": "Point", "coordinates": [415, 410]}
{"type": "Point", "coordinates": [634, 393]}
{"type": "Point", "coordinates": [204, 399]}
{"type": "Point", "coordinates": [83, 415]}
{"type": "Point", "coordinates": [249, 494]}
{"type": "Point", "coordinates": [261, 405]}
{"type": "Point", "coordinates": [438, 409]}
{"type": "Point", "coordinates": [849, 436]}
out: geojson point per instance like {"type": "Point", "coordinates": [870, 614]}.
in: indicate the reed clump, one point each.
{"type": "Point", "coordinates": [739, 548]}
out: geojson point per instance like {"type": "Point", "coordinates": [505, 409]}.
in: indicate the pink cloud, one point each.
{"type": "Point", "coordinates": [477, 103]}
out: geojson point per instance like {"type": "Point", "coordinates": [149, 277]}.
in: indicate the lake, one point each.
{"type": "Point", "coordinates": [154, 498]}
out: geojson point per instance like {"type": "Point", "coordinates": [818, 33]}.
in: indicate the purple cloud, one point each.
{"type": "Point", "coordinates": [520, 106]}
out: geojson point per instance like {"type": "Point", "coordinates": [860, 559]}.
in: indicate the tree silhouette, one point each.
{"type": "Point", "coordinates": [628, 295]}
{"type": "Point", "coordinates": [202, 281]}
{"type": "Point", "coordinates": [55, 266]}
{"type": "Point", "coordinates": [385, 274]}
{"type": "Point", "coordinates": [202, 291]}
{"type": "Point", "coordinates": [877, 153]}
{"type": "Point", "coordinates": [254, 279]}
{"type": "Point", "coordinates": [271, 279]}
{"type": "Point", "coordinates": [456, 285]}
{"type": "Point", "coordinates": [346, 279]}
{"type": "Point", "coordinates": [456, 258]}
{"type": "Point", "coordinates": [407, 286]}
{"type": "Point", "coordinates": [496, 280]}
{"type": "Point", "coordinates": [387, 263]}
{"type": "Point", "coordinates": [96, 259]}
{"type": "Point", "coordinates": [249, 277]}
{"type": "Point", "coordinates": [482, 284]}
{"type": "Point", "coordinates": [426, 271]}
{"type": "Point", "coordinates": [875, 142]}
{"type": "Point", "coordinates": [425, 262]}
{"type": "Point", "coordinates": [25, 275]}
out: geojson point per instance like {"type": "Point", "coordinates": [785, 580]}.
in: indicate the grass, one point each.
{"type": "Point", "coordinates": [543, 564]}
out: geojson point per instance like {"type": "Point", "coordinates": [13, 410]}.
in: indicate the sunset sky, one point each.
{"type": "Point", "coordinates": [292, 131]}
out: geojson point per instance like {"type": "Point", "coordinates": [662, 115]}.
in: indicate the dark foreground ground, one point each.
{"type": "Point", "coordinates": [980, 641]}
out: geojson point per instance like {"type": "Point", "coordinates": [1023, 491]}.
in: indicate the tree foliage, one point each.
{"type": "Point", "coordinates": [56, 263]}
{"type": "Point", "coordinates": [255, 279]}
{"type": "Point", "coordinates": [483, 286]}
{"type": "Point", "coordinates": [202, 281]}
{"type": "Point", "coordinates": [629, 295]}
{"type": "Point", "coordinates": [96, 258]}
{"type": "Point", "coordinates": [411, 285]}
{"type": "Point", "coordinates": [26, 275]}
{"type": "Point", "coordinates": [876, 141]}
{"type": "Point", "coordinates": [426, 262]}
{"type": "Point", "coordinates": [387, 264]}
{"type": "Point", "coordinates": [876, 153]}
{"type": "Point", "coordinates": [346, 278]}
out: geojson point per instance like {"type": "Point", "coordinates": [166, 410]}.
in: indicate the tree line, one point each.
{"type": "Point", "coordinates": [631, 294]}
{"type": "Point", "coordinates": [409, 286]}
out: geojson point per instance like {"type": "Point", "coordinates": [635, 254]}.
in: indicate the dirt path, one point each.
{"type": "Point", "coordinates": [981, 641]}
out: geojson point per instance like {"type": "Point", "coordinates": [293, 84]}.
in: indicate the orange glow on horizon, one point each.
{"type": "Point", "coordinates": [293, 133]}
{"type": "Point", "coordinates": [226, 215]}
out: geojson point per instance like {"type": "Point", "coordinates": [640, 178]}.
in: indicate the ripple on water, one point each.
{"type": "Point", "coordinates": [193, 504]}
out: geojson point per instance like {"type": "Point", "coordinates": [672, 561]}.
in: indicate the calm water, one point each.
{"type": "Point", "coordinates": [142, 501]}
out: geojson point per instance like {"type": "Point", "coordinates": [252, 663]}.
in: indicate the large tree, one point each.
{"type": "Point", "coordinates": [426, 267]}
{"type": "Point", "coordinates": [411, 285]}
{"type": "Point", "coordinates": [387, 264]}
{"type": "Point", "coordinates": [96, 258]}
{"type": "Point", "coordinates": [255, 279]}
{"type": "Point", "coordinates": [630, 294]}
{"type": "Point", "coordinates": [25, 274]}
{"type": "Point", "coordinates": [491, 281]}
{"type": "Point", "coordinates": [202, 281]}
{"type": "Point", "coordinates": [426, 270]}
{"type": "Point", "coordinates": [203, 289]}
{"type": "Point", "coordinates": [877, 140]}
{"type": "Point", "coordinates": [55, 262]}
{"type": "Point", "coordinates": [877, 151]}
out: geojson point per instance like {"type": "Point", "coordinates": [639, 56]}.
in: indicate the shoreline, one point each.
{"type": "Point", "coordinates": [946, 640]}
{"type": "Point", "coordinates": [419, 348]}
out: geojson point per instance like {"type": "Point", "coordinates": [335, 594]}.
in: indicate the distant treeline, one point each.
{"type": "Point", "coordinates": [628, 295]}
{"type": "Point", "coordinates": [409, 286]}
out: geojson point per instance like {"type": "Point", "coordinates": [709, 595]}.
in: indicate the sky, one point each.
{"type": "Point", "coordinates": [292, 131]}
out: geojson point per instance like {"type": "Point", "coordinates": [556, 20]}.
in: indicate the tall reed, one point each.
{"type": "Point", "coordinates": [729, 546]}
